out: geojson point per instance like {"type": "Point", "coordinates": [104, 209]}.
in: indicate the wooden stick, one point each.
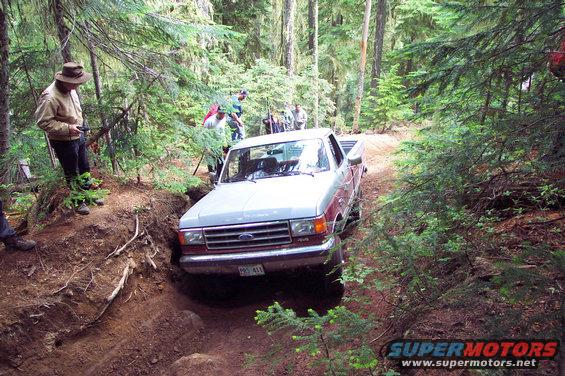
{"type": "Point", "coordinates": [89, 282]}
{"type": "Point", "coordinates": [198, 165]}
{"type": "Point", "coordinates": [129, 297]}
{"type": "Point", "coordinates": [125, 274]}
{"type": "Point", "coordinates": [70, 278]}
{"type": "Point", "coordinates": [119, 250]}
{"type": "Point", "coordinates": [381, 335]}
{"type": "Point", "coordinates": [130, 266]}
{"type": "Point", "coordinates": [150, 261]}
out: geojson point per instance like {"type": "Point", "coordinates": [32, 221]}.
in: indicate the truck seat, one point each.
{"type": "Point", "coordinates": [267, 165]}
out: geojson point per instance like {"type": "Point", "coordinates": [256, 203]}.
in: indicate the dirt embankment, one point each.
{"type": "Point", "coordinates": [56, 318]}
{"type": "Point", "coordinates": [58, 295]}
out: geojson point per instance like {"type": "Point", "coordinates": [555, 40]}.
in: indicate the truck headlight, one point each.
{"type": "Point", "coordinates": [191, 237]}
{"type": "Point", "coordinates": [309, 226]}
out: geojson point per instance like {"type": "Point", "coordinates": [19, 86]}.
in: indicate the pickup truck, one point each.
{"type": "Point", "coordinates": [281, 202]}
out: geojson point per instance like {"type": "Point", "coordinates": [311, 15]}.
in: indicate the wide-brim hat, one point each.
{"type": "Point", "coordinates": [73, 73]}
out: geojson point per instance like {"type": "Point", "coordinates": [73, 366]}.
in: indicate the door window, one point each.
{"type": "Point", "coordinates": [336, 150]}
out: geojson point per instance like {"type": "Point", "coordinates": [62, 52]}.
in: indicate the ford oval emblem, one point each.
{"type": "Point", "coordinates": [246, 236]}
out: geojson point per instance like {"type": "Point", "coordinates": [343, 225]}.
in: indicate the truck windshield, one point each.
{"type": "Point", "coordinates": [274, 160]}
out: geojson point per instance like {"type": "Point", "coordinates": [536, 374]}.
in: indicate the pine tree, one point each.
{"type": "Point", "coordinates": [362, 63]}
{"type": "Point", "coordinates": [4, 82]}
{"type": "Point", "coordinates": [380, 25]}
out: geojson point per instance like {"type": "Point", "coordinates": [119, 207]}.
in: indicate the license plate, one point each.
{"type": "Point", "coordinates": [251, 270]}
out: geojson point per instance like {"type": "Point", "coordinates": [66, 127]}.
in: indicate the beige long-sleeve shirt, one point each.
{"type": "Point", "coordinates": [56, 111]}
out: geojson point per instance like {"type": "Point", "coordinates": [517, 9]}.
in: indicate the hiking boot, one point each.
{"type": "Point", "coordinates": [99, 201]}
{"type": "Point", "coordinates": [15, 243]}
{"type": "Point", "coordinates": [83, 209]}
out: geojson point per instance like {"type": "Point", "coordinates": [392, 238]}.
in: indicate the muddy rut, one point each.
{"type": "Point", "coordinates": [153, 327]}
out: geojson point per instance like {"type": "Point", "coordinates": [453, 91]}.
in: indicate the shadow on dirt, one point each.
{"type": "Point", "coordinates": [299, 291]}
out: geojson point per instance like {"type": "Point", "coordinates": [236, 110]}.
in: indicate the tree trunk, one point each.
{"type": "Point", "coordinates": [64, 40]}
{"type": "Point", "coordinates": [311, 24]}
{"type": "Point", "coordinates": [316, 60]}
{"type": "Point", "coordinates": [4, 82]}
{"type": "Point", "coordinates": [258, 23]}
{"type": "Point", "coordinates": [282, 37]}
{"type": "Point", "coordinates": [34, 94]}
{"type": "Point", "coordinates": [508, 80]}
{"type": "Point", "coordinates": [50, 151]}
{"type": "Point", "coordinates": [98, 90]}
{"type": "Point", "coordinates": [361, 82]}
{"type": "Point", "coordinates": [486, 106]}
{"type": "Point", "coordinates": [378, 46]}
{"type": "Point", "coordinates": [62, 31]}
{"type": "Point", "coordinates": [289, 7]}
{"type": "Point", "coordinates": [337, 21]}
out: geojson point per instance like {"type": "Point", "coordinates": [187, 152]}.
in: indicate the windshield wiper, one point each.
{"type": "Point", "coordinates": [232, 180]}
{"type": "Point", "coordinates": [290, 173]}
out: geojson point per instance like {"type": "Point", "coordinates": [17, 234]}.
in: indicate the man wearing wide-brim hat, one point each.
{"type": "Point", "coordinates": [59, 114]}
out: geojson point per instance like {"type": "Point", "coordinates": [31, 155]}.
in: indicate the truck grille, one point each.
{"type": "Point", "coordinates": [248, 235]}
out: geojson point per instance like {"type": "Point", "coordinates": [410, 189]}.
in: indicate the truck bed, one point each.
{"type": "Point", "coordinates": [347, 145]}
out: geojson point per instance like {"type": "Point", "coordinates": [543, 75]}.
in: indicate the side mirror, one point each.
{"type": "Point", "coordinates": [354, 160]}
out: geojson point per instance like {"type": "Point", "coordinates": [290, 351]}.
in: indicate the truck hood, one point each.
{"type": "Point", "coordinates": [263, 200]}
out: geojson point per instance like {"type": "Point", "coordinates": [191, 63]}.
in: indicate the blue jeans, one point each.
{"type": "Point", "coordinates": [237, 132]}
{"type": "Point", "coordinates": [5, 230]}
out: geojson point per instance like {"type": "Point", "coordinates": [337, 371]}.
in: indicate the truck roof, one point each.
{"type": "Point", "coordinates": [283, 137]}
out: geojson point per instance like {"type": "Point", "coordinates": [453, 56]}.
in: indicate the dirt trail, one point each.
{"type": "Point", "coordinates": [153, 327]}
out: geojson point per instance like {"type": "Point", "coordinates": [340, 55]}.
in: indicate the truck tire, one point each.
{"type": "Point", "coordinates": [357, 210]}
{"type": "Point", "coordinates": [331, 274]}
{"type": "Point", "coordinates": [354, 216]}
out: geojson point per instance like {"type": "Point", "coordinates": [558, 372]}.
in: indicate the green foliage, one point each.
{"type": "Point", "coordinates": [388, 105]}
{"type": "Point", "coordinates": [81, 192]}
{"type": "Point", "coordinates": [22, 202]}
{"type": "Point", "coordinates": [269, 87]}
{"type": "Point", "coordinates": [417, 20]}
{"type": "Point", "coordinates": [322, 337]}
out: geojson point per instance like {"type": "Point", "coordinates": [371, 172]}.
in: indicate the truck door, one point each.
{"type": "Point", "coordinates": [344, 178]}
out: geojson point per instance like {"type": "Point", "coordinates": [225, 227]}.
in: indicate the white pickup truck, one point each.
{"type": "Point", "coordinates": [280, 204]}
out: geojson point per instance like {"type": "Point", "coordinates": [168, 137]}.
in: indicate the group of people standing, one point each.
{"type": "Point", "coordinates": [218, 117]}
{"type": "Point", "coordinates": [289, 120]}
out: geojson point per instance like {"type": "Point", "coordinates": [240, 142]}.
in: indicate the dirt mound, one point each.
{"type": "Point", "coordinates": [198, 364]}
{"type": "Point", "coordinates": [63, 287]}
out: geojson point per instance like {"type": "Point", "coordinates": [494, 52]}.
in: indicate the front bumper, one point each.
{"type": "Point", "coordinates": [272, 260]}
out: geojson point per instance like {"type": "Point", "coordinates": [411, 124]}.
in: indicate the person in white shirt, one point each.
{"type": "Point", "coordinates": [300, 117]}
{"type": "Point", "coordinates": [217, 122]}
